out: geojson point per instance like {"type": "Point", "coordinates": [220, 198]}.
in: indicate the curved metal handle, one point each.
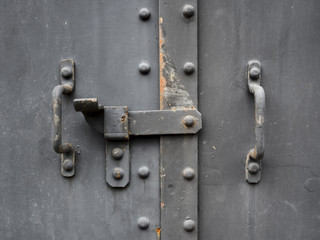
{"type": "Point", "coordinates": [253, 161]}
{"type": "Point", "coordinates": [66, 149]}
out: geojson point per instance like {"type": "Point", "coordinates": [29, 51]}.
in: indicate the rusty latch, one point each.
{"type": "Point", "coordinates": [117, 124]}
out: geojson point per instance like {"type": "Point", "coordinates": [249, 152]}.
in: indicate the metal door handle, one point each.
{"type": "Point", "coordinates": [65, 149]}
{"type": "Point", "coordinates": [255, 155]}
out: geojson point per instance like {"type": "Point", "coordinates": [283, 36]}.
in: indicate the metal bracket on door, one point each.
{"type": "Point", "coordinates": [67, 151]}
{"type": "Point", "coordinates": [117, 124]}
{"type": "Point", "coordinates": [255, 155]}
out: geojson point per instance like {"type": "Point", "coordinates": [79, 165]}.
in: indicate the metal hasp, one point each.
{"type": "Point", "coordinates": [255, 155]}
{"type": "Point", "coordinates": [116, 123]}
{"type": "Point", "coordinates": [66, 150]}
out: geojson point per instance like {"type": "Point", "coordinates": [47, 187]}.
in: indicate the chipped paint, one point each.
{"type": "Point", "coordinates": [173, 93]}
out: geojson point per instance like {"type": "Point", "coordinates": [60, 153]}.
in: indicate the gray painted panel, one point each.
{"type": "Point", "coordinates": [284, 36]}
{"type": "Point", "coordinates": [107, 40]}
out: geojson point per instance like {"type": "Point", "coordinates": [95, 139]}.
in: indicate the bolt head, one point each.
{"type": "Point", "coordinates": [117, 153]}
{"type": "Point", "coordinates": [188, 173]}
{"type": "Point", "coordinates": [188, 11]}
{"type": "Point", "coordinates": [67, 165]}
{"type": "Point", "coordinates": [144, 67]}
{"type": "Point", "coordinates": [188, 68]}
{"type": "Point", "coordinates": [253, 167]}
{"type": "Point", "coordinates": [254, 73]}
{"type": "Point", "coordinates": [188, 121]}
{"type": "Point", "coordinates": [117, 173]}
{"type": "Point", "coordinates": [66, 72]}
{"type": "Point", "coordinates": [144, 172]}
{"type": "Point", "coordinates": [189, 225]}
{"type": "Point", "coordinates": [143, 223]}
{"type": "Point", "coordinates": [144, 13]}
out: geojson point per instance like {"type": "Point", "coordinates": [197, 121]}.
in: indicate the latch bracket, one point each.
{"type": "Point", "coordinates": [116, 123]}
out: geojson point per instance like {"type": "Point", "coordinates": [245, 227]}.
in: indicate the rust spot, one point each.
{"type": "Point", "coordinates": [158, 230]}
{"type": "Point", "coordinates": [123, 118]}
{"type": "Point", "coordinates": [163, 81]}
{"type": "Point", "coordinates": [162, 204]}
{"type": "Point", "coordinates": [173, 93]}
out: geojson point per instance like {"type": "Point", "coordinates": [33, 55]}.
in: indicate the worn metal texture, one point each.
{"type": "Point", "coordinates": [178, 89]}
{"type": "Point", "coordinates": [255, 155]}
{"type": "Point", "coordinates": [140, 123]}
{"type": "Point", "coordinates": [107, 42]}
{"type": "Point", "coordinates": [284, 37]}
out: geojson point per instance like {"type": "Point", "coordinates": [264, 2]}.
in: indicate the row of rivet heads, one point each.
{"type": "Point", "coordinates": [143, 172]}
{"type": "Point", "coordinates": [188, 12]}
{"type": "Point", "coordinates": [188, 173]}
{"type": "Point", "coordinates": [143, 222]}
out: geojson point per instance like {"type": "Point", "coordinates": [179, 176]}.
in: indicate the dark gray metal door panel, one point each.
{"type": "Point", "coordinates": [107, 40]}
{"type": "Point", "coordinates": [284, 36]}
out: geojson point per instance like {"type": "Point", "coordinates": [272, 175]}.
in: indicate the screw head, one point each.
{"type": "Point", "coordinates": [117, 173]}
{"type": "Point", "coordinates": [66, 72]}
{"type": "Point", "coordinates": [188, 121]}
{"type": "Point", "coordinates": [253, 167]}
{"type": "Point", "coordinates": [67, 165]}
{"type": "Point", "coordinates": [188, 68]}
{"type": "Point", "coordinates": [117, 153]}
{"type": "Point", "coordinates": [189, 225]}
{"type": "Point", "coordinates": [188, 11]}
{"type": "Point", "coordinates": [143, 223]}
{"type": "Point", "coordinates": [144, 13]}
{"type": "Point", "coordinates": [254, 73]}
{"type": "Point", "coordinates": [188, 173]}
{"type": "Point", "coordinates": [144, 172]}
{"type": "Point", "coordinates": [144, 67]}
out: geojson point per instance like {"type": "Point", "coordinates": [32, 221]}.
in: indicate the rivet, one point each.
{"type": "Point", "coordinates": [66, 72]}
{"type": "Point", "coordinates": [67, 165]}
{"type": "Point", "coordinates": [144, 13]}
{"type": "Point", "coordinates": [189, 225]}
{"type": "Point", "coordinates": [253, 167]}
{"type": "Point", "coordinates": [188, 121]}
{"type": "Point", "coordinates": [188, 68]}
{"type": "Point", "coordinates": [117, 153]}
{"type": "Point", "coordinates": [144, 172]}
{"type": "Point", "coordinates": [143, 223]}
{"type": "Point", "coordinates": [117, 173]}
{"type": "Point", "coordinates": [188, 11]}
{"type": "Point", "coordinates": [144, 67]}
{"type": "Point", "coordinates": [188, 173]}
{"type": "Point", "coordinates": [254, 73]}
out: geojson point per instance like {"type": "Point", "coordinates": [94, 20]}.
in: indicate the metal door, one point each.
{"type": "Point", "coordinates": [284, 37]}
{"type": "Point", "coordinates": [138, 168]}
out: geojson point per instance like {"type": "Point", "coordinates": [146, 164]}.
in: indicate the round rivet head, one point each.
{"type": "Point", "coordinates": [117, 153]}
{"type": "Point", "coordinates": [254, 73]}
{"type": "Point", "coordinates": [144, 13]}
{"type": "Point", "coordinates": [67, 165]}
{"type": "Point", "coordinates": [188, 121]}
{"type": "Point", "coordinates": [189, 225]}
{"type": "Point", "coordinates": [144, 67]}
{"type": "Point", "coordinates": [143, 223]}
{"type": "Point", "coordinates": [144, 172]}
{"type": "Point", "coordinates": [66, 72]}
{"type": "Point", "coordinates": [117, 173]}
{"type": "Point", "coordinates": [188, 173]}
{"type": "Point", "coordinates": [188, 11]}
{"type": "Point", "coordinates": [188, 68]}
{"type": "Point", "coordinates": [253, 167]}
